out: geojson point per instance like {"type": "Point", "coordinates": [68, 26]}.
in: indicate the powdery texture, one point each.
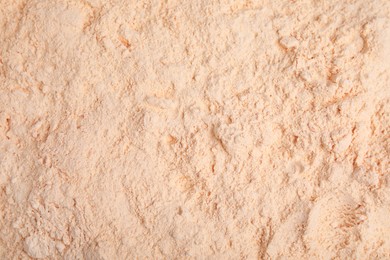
{"type": "Point", "coordinates": [194, 129]}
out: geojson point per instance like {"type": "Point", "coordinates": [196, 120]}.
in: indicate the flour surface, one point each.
{"type": "Point", "coordinates": [195, 129]}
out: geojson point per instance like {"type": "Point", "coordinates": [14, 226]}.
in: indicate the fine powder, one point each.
{"type": "Point", "coordinates": [196, 129]}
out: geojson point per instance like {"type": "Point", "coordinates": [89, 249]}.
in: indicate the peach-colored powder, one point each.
{"type": "Point", "coordinates": [196, 129]}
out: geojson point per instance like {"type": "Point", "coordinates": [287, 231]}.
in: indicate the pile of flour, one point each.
{"type": "Point", "coordinates": [140, 129]}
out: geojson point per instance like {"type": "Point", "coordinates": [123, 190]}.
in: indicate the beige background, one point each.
{"type": "Point", "coordinates": [194, 129]}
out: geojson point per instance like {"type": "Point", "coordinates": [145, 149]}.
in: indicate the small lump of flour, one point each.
{"type": "Point", "coordinates": [289, 42]}
{"type": "Point", "coordinates": [37, 246]}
